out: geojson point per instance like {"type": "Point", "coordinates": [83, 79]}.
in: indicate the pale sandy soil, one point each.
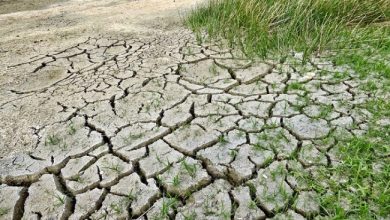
{"type": "Point", "coordinates": [47, 26]}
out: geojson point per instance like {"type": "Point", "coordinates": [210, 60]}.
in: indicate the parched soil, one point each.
{"type": "Point", "coordinates": [109, 114]}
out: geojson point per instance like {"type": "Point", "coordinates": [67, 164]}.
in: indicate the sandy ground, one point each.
{"type": "Point", "coordinates": [32, 28]}
{"type": "Point", "coordinates": [49, 25]}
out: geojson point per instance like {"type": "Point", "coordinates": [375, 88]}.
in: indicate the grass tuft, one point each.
{"type": "Point", "coordinates": [261, 27]}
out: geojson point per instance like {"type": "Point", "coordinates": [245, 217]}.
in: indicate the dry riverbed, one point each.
{"type": "Point", "coordinates": [113, 110]}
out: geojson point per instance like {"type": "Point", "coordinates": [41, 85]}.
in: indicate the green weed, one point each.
{"type": "Point", "coordinates": [52, 140]}
{"type": "Point", "coordinates": [190, 168]}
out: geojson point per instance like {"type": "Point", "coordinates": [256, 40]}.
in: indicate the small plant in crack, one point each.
{"type": "Point", "coordinates": [168, 204]}
{"type": "Point", "coordinates": [268, 160]}
{"type": "Point", "coordinates": [187, 194]}
{"type": "Point", "coordinates": [213, 69]}
{"type": "Point", "coordinates": [189, 51]}
{"type": "Point", "coordinates": [185, 126]}
{"type": "Point", "coordinates": [159, 180]}
{"type": "Point", "coordinates": [252, 204]}
{"type": "Point", "coordinates": [114, 167]}
{"type": "Point", "coordinates": [302, 101]}
{"type": "Point", "coordinates": [78, 178]}
{"type": "Point", "coordinates": [325, 110]}
{"type": "Point", "coordinates": [296, 86]}
{"type": "Point", "coordinates": [189, 168]}
{"type": "Point", "coordinates": [258, 147]}
{"type": "Point", "coordinates": [158, 158]}
{"type": "Point", "coordinates": [340, 75]}
{"type": "Point", "coordinates": [271, 124]}
{"type": "Point", "coordinates": [4, 211]}
{"type": "Point", "coordinates": [130, 196]}
{"type": "Point", "coordinates": [72, 129]}
{"type": "Point", "coordinates": [279, 171]}
{"type": "Point", "coordinates": [254, 123]}
{"type": "Point", "coordinates": [156, 104]}
{"type": "Point", "coordinates": [283, 192]}
{"type": "Point", "coordinates": [252, 187]}
{"type": "Point", "coordinates": [263, 137]}
{"type": "Point", "coordinates": [168, 164]}
{"type": "Point", "coordinates": [281, 136]}
{"type": "Point", "coordinates": [60, 199]}
{"type": "Point", "coordinates": [222, 140]}
{"type": "Point", "coordinates": [233, 153]}
{"type": "Point", "coordinates": [117, 207]}
{"type": "Point", "coordinates": [199, 38]}
{"type": "Point", "coordinates": [269, 197]}
{"type": "Point", "coordinates": [52, 140]}
{"type": "Point", "coordinates": [64, 146]}
{"type": "Point", "coordinates": [241, 134]}
{"type": "Point", "coordinates": [176, 181]}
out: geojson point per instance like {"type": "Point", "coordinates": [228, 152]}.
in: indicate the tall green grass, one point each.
{"type": "Point", "coordinates": [263, 26]}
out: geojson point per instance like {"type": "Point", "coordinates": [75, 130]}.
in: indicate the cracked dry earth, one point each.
{"type": "Point", "coordinates": [162, 127]}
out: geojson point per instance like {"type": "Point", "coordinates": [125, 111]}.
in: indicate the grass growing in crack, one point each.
{"type": "Point", "coordinates": [222, 140]}
{"type": "Point", "coordinates": [159, 180]}
{"type": "Point", "coordinates": [72, 129]}
{"type": "Point", "coordinates": [64, 146]}
{"type": "Point", "coordinates": [258, 147]}
{"type": "Point", "coordinates": [4, 211]}
{"type": "Point", "coordinates": [131, 196]}
{"type": "Point", "coordinates": [278, 172]}
{"type": "Point", "coordinates": [366, 194]}
{"type": "Point", "coordinates": [116, 167]}
{"type": "Point", "coordinates": [52, 140]}
{"type": "Point", "coordinates": [189, 168]}
{"type": "Point", "coordinates": [119, 207]}
{"type": "Point", "coordinates": [59, 199]}
{"type": "Point", "coordinates": [296, 86]}
{"type": "Point", "coordinates": [252, 205]}
{"type": "Point", "coordinates": [324, 111]}
{"type": "Point", "coordinates": [55, 140]}
{"type": "Point", "coordinates": [364, 191]}
{"type": "Point", "coordinates": [165, 163]}
{"type": "Point", "coordinates": [176, 181]}
{"type": "Point", "coordinates": [168, 204]}
{"type": "Point", "coordinates": [260, 27]}
{"type": "Point", "coordinates": [368, 57]}
{"type": "Point", "coordinates": [213, 69]}
{"type": "Point", "coordinates": [283, 192]}
{"type": "Point", "coordinates": [78, 178]}
{"type": "Point", "coordinates": [233, 153]}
